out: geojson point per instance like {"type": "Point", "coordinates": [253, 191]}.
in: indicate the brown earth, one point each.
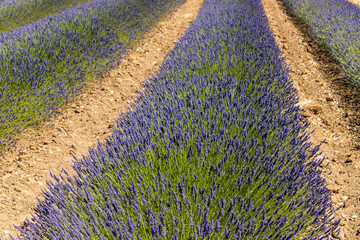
{"type": "Point", "coordinates": [77, 127]}
{"type": "Point", "coordinates": [332, 108]}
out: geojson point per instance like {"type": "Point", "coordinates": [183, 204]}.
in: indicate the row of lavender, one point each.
{"type": "Point", "coordinates": [16, 13]}
{"type": "Point", "coordinates": [44, 64]}
{"type": "Point", "coordinates": [335, 24]}
{"type": "Point", "coordinates": [215, 148]}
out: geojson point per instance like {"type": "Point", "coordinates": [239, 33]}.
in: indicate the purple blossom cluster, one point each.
{"type": "Point", "coordinates": [44, 64]}
{"type": "Point", "coordinates": [215, 148]}
{"type": "Point", "coordinates": [335, 25]}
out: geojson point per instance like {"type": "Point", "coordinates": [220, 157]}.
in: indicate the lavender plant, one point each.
{"type": "Point", "coordinates": [215, 148]}
{"type": "Point", "coordinates": [335, 25]}
{"type": "Point", "coordinates": [44, 64]}
{"type": "Point", "coordinates": [16, 13]}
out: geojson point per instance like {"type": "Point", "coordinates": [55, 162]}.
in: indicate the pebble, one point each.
{"type": "Point", "coordinates": [334, 189]}
{"type": "Point", "coordinates": [324, 163]}
{"type": "Point", "coordinates": [329, 99]}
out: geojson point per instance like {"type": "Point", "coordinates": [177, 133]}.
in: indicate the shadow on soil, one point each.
{"type": "Point", "coordinates": [347, 91]}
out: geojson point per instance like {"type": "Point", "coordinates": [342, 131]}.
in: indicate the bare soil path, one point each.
{"type": "Point", "coordinates": [78, 126]}
{"type": "Point", "coordinates": [332, 109]}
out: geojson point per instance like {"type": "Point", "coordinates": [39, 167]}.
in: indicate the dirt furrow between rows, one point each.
{"type": "Point", "coordinates": [331, 106]}
{"type": "Point", "coordinates": [77, 127]}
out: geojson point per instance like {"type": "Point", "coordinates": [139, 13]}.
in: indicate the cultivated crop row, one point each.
{"type": "Point", "coordinates": [16, 13]}
{"type": "Point", "coordinates": [45, 63]}
{"type": "Point", "coordinates": [335, 24]}
{"type": "Point", "coordinates": [215, 148]}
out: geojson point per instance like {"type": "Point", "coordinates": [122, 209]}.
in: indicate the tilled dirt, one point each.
{"type": "Point", "coordinates": [331, 106]}
{"type": "Point", "coordinates": [77, 127]}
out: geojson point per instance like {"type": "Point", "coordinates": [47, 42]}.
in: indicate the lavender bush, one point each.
{"type": "Point", "coordinates": [15, 13]}
{"type": "Point", "coordinates": [335, 25]}
{"type": "Point", "coordinates": [44, 64]}
{"type": "Point", "coordinates": [214, 149]}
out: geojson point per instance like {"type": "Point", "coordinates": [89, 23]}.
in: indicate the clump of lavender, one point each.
{"type": "Point", "coordinates": [215, 149]}
{"type": "Point", "coordinates": [335, 25]}
{"type": "Point", "coordinates": [16, 13]}
{"type": "Point", "coordinates": [43, 65]}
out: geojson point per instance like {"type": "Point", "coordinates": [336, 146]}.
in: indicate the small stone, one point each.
{"type": "Point", "coordinates": [187, 15]}
{"type": "Point", "coordinates": [334, 189]}
{"type": "Point", "coordinates": [354, 216]}
{"type": "Point", "coordinates": [305, 113]}
{"type": "Point", "coordinates": [348, 161]}
{"type": "Point", "coordinates": [6, 231]}
{"type": "Point", "coordinates": [314, 108]}
{"type": "Point", "coordinates": [338, 182]}
{"type": "Point", "coordinates": [324, 163]}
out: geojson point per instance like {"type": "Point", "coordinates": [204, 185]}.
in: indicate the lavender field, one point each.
{"type": "Point", "coordinates": [44, 65]}
{"type": "Point", "coordinates": [215, 148]}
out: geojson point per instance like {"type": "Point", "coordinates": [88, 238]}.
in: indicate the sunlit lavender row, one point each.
{"type": "Point", "coordinates": [335, 24]}
{"type": "Point", "coordinates": [16, 13]}
{"type": "Point", "coordinates": [44, 64]}
{"type": "Point", "coordinates": [214, 149]}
